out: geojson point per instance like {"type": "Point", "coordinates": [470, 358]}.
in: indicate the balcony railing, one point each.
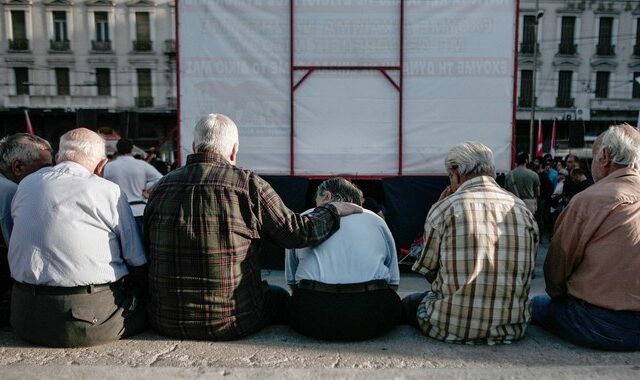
{"type": "Point", "coordinates": [144, 101]}
{"type": "Point", "coordinates": [636, 50]}
{"type": "Point", "coordinates": [60, 45]}
{"type": "Point", "coordinates": [19, 44]}
{"type": "Point", "coordinates": [525, 101]}
{"type": "Point", "coordinates": [101, 45]}
{"type": "Point", "coordinates": [606, 50]}
{"type": "Point", "coordinates": [528, 47]}
{"type": "Point", "coordinates": [170, 46]}
{"type": "Point", "coordinates": [142, 45]}
{"type": "Point", "coordinates": [567, 49]}
{"type": "Point", "coordinates": [564, 102]}
{"type": "Point", "coordinates": [172, 102]}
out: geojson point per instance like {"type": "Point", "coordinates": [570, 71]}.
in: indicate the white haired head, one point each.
{"type": "Point", "coordinates": [215, 133]}
{"type": "Point", "coordinates": [471, 159]}
{"type": "Point", "coordinates": [622, 142]}
{"type": "Point", "coordinates": [82, 146]}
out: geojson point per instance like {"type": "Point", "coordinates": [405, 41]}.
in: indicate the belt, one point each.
{"type": "Point", "coordinates": [66, 290]}
{"type": "Point", "coordinates": [133, 203]}
{"type": "Point", "coordinates": [360, 287]}
{"type": "Point", "coordinates": [590, 305]}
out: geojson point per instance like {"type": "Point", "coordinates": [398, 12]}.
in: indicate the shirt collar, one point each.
{"type": "Point", "coordinates": [73, 168]}
{"type": "Point", "coordinates": [480, 181]}
{"type": "Point", "coordinates": [206, 158]}
{"type": "Point", "coordinates": [622, 172]}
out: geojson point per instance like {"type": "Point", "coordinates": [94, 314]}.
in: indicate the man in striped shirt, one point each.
{"type": "Point", "coordinates": [479, 254]}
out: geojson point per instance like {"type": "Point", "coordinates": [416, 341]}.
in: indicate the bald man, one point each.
{"type": "Point", "coordinates": [75, 252]}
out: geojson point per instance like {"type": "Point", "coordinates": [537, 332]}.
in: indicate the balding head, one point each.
{"type": "Point", "coordinates": [82, 146]}
{"type": "Point", "coordinates": [617, 147]}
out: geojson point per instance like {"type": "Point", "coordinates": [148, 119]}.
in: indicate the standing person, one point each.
{"type": "Point", "coordinates": [74, 241]}
{"type": "Point", "coordinates": [579, 180]}
{"type": "Point", "coordinates": [343, 288]}
{"type": "Point", "coordinates": [20, 155]}
{"type": "Point", "coordinates": [135, 177]}
{"type": "Point", "coordinates": [203, 226]}
{"type": "Point", "coordinates": [571, 162]}
{"type": "Point", "coordinates": [524, 183]}
{"type": "Point", "coordinates": [479, 255]}
{"type": "Point", "coordinates": [591, 269]}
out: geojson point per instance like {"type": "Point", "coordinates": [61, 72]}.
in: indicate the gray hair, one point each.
{"type": "Point", "coordinates": [341, 190]}
{"type": "Point", "coordinates": [623, 148]}
{"type": "Point", "coordinates": [83, 146]}
{"type": "Point", "coordinates": [23, 147]}
{"type": "Point", "coordinates": [471, 158]}
{"type": "Point", "coordinates": [215, 133]}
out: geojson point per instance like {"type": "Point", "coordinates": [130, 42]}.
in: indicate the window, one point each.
{"type": "Point", "coordinates": [102, 26]}
{"type": "Point", "coordinates": [62, 81]}
{"type": "Point", "coordinates": [145, 97]}
{"type": "Point", "coordinates": [526, 88]}
{"type": "Point", "coordinates": [564, 89]}
{"type": "Point", "coordinates": [103, 81]}
{"type": "Point", "coordinates": [567, 34]}
{"type": "Point", "coordinates": [60, 26]}
{"type": "Point", "coordinates": [636, 85]}
{"type": "Point", "coordinates": [602, 84]}
{"type": "Point", "coordinates": [528, 35]}
{"type": "Point", "coordinates": [19, 31]}
{"type": "Point", "coordinates": [143, 32]}
{"type": "Point", "coordinates": [605, 37]}
{"type": "Point", "coordinates": [22, 80]}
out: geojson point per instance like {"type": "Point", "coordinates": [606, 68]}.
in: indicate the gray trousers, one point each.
{"type": "Point", "coordinates": [73, 317]}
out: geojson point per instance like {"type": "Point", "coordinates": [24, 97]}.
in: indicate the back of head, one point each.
{"type": "Point", "coordinates": [215, 133]}
{"type": "Point", "coordinates": [471, 159]}
{"type": "Point", "coordinates": [522, 158]}
{"type": "Point", "coordinates": [341, 190]}
{"type": "Point", "coordinates": [23, 147]}
{"type": "Point", "coordinates": [82, 146]}
{"type": "Point", "coordinates": [623, 144]}
{"type": "Point", "coordinates": [124, 146]}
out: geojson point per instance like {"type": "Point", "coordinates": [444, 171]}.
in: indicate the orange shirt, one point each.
{"type": "Point", "coordinates": [595, 252]}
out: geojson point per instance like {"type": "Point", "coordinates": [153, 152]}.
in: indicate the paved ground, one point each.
{"type": "Point", "coordinates": [279, 352]}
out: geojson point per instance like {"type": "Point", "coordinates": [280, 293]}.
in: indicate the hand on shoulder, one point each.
{"type": "Point", "coordinates": [346, 208]}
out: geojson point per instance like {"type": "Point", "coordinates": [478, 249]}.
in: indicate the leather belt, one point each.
{"type": "Point", "coordinates": [360, 287]}
{"type": "Point", "coordinates": [66, 290]}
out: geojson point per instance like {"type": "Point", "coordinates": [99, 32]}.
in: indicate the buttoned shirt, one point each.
{"type": "Point", "coordinates": [480, 246]}
{"type": "Point", "coordinates": [595, 251]}
{"type": "Point", "coordinates": [362, 250]}
{"type": "Point", "coordinates": [203, 225]}
{"type": "Point", "coordinates": [133, 176]}
{"type": "Point", "coordinates": [71, 228]}
{"type": "Point", "coordinates": [7, 190]}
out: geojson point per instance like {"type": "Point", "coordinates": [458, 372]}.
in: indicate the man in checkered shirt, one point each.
{"type": "Point", "coordinates": [479, 254]}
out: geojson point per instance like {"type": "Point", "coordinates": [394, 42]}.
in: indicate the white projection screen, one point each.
{"type": "Point", "coordinates": [351, 98]}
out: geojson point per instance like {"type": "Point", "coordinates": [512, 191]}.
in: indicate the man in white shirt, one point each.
{"type": "Point", "coordinates": [135, 177]}
{"type": "Point", "coordinates": [343, 288]}
{"type": "Point", "coordinates": [74, 241]}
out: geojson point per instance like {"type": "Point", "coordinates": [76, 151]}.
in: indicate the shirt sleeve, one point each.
{"type": "Point", "coordinates": [130, 242]}
{"type": "Point", "coordinates": [428, 263]}
{"type": "Point", "coordinates": [153, 176]}
{"type": "Point", "coordinates": [391, 261]}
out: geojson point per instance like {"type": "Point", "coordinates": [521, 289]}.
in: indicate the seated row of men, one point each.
{"type": "Point", "coordinates": [83, 275]}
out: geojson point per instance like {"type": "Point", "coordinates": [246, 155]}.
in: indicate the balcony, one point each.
{"type": "Point", "coordinates": [567, 49]}
{"type": "Point", "coordinates": [59, 45]}
{"type": "Point", "coordinates": [172, 102]}
{"type": "Point", "coordinates": [142, 45]}
{"type": "Point", "coordinates": [19, 44]}
{"type": "Point", "coordinates": [66, 102]}
{"type": "Point", "coordinates": [144, 101]}
{"type": "Point", "coordinates": [528, 47]}
{"type": "Point", "coordinates": [525, 101]}
{"type": "Point", "coordinates": [101, 46]}
{"type": "Point", "coordinates": [636, 50]}
{"type": "Point", "coordinates": [564, 102]}
{"type": "Point", "coordinates": [170, 46]}
{"type": "Point", "coordinates": [606, 50]}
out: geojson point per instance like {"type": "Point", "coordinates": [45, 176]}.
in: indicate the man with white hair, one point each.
{"type": "Point", "coordinates": [479, 254]}
{"type": "Point", "coordinates": [593, 264]}
{"type": "Point", "coordinates": [74, 242]}
{"type": "Point", "coordinates": [203, 227]}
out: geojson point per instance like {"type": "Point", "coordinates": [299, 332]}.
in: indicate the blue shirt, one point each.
{"type": "Point", "coordinates": [7, 190]}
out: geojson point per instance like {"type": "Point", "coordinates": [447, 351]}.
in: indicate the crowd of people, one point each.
{"type": "Point", "coordinates": [98, 250]}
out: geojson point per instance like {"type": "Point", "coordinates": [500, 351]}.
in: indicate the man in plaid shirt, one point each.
{"type": "Point", "coordinates": [479, 254]}
{"type": "Point", "coordinates": [203, 227]}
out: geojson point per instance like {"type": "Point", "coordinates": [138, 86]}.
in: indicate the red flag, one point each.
{"type": "Point", "coordinates": [539, 151]}
{"type": "Point", "coordinates": [29, 127]}
{"type": "Point", "coordinates": [553, 139]}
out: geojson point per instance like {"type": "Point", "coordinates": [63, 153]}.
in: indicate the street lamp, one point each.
{"type": "Point", "coordinates": [539, 14]}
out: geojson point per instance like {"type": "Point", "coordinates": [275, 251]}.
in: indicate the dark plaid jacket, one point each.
{"type": "Point", "coordinates": [203, 226]}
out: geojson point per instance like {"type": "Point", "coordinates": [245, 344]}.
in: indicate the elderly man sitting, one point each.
{"type": "Point", "coordinates": [479, 254]}
{"type": "Point", "coordinates": [593, 264]}
{"type": "Point", "coordinates": [74, 241]}
{"type": "Point", "coordinates": [342, 288]}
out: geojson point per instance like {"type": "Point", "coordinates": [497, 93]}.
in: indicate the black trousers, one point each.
{"type": "Point", "coordinates": [47, 316]}
{"type": "Point", "coordinates": [344, 316]}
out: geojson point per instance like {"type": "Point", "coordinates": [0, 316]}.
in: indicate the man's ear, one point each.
{"type": "Point", "coordinates": [234, 154]}
{"type": "Point", "coordinates": [17, 169]}
{"type": "Point", "coordinates": [326, 197]}
{"type": "Point", "coordinates": [100, 167]}
{"type": "Point", "coordinates": [605, 157]}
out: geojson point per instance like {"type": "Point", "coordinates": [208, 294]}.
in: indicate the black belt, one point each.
{"type": "Point", "coordinates": [66, 290]}
{"type": "Point", "coordinates": [360, 287]}
{"type": "Point", "coordinates": [133, 203]}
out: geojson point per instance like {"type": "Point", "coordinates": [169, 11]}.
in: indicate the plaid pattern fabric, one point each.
{"type": "Point", "coordinates": [480, 247]}
{"type": "Point", "coordinates": [203, 225]}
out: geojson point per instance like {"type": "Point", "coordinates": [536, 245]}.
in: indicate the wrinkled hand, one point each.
{"type": "Point", "coordinates": [346, 208]}
{"type": "Point", "coordinates": [446, 192]}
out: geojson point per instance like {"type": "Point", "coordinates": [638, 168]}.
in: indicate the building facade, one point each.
{"type": "Point", "coordinates": [101, 64]}
{"type": "Point", "coordinates": [587, 66]}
